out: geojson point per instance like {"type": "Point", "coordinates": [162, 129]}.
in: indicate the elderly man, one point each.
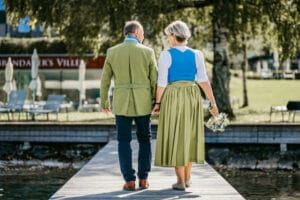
{"type": "Point", "coordinates": [133, 68]}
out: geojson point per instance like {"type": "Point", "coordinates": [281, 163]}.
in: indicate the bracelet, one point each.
{"type": "Point", "coordinates": [157, 103]}
{"type": "Point", "coordinates": [211, 106]}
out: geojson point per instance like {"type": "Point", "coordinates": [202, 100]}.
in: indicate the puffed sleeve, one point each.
{"type": "Point", "coordinates": [201, 75]}
{"type": "Point", "coordinates": [163, 66]}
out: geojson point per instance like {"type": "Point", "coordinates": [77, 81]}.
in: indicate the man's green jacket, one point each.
{"type": "Point", "coordinates": [134, 71]}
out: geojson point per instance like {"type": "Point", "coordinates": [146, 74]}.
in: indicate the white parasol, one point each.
{"type": "Point", "coordinates": [81, 75]}
{"type": "Point", "coordinates": [10, 84]}
{"type": "Point", "coordinates": [35, 84]}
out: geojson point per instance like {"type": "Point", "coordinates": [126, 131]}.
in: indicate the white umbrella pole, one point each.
{"type": "Point", "coordinates": [33, 95]}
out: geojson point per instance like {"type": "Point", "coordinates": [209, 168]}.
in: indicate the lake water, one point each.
{"type": "Point", "coordinates": [265, 185]}
{"type": "Point", "coordinates": [40, 184]}
{"type": "Point", "coordinates": [31, 184]}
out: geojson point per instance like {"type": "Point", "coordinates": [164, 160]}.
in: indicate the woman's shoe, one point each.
{"type": "Point", "coordinates": [188, 183]}
{"type": "Point", "coordinates": [178, 186]}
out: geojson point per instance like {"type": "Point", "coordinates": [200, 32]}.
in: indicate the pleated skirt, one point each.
{"type": "Point", "coordinates": [180, 132]}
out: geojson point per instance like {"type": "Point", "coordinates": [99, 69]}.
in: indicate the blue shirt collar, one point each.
{"type": "Point", "coordinates": [131, 38]}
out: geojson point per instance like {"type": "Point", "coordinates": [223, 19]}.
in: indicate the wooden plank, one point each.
{"type": "Point", "coordinates": [100, 178]}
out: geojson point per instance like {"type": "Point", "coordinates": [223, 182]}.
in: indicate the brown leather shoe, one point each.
{"type": "Point", "coordinates": [129, 185]}
{"type": "Point", "coordinates": [143, 184]}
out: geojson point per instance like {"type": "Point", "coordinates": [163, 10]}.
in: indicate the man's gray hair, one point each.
{"type": "Point", "coordinates": [131, 27]}
{"type": "Point", "coordinates": [179, 29]}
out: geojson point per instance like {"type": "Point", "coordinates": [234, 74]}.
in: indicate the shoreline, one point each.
{"type": "Point", "coordinates": [223, 156]}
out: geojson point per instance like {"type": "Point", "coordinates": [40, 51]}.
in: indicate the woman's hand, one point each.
{"type": "Point", "coordinates": [214, 110]}
{"type": "Point", "coordinates": [209, 93]}
{"type": "Point", "coordinates": [159, 93]}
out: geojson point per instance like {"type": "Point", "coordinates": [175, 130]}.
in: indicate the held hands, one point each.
{"type": "Point", "coordinates": [156, 109]}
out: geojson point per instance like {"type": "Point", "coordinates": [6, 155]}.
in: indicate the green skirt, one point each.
{"type": "Point", "coordinates": [180, 132]}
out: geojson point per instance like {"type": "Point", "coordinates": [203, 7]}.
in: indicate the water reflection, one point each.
{"type": "Point", "coordinates": [265, 185]}
{"type": "Point", "coordinates": [31, 184]}
{"type": "Point", "coordinates": [40, 184]}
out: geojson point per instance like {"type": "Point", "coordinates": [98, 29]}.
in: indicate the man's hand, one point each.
{"type": "Point", "coordinates": [156, 109]}
{"type": "Point", "coordinates": [106, 110]}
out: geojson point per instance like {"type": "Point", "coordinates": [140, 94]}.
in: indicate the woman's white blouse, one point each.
{"type": "Point", "coordinates": [165, 61]}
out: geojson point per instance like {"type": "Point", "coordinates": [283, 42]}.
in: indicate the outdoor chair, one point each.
{"type": "Point", "coordinates": [52, 105]}
{"type": "Point", "coordinates": [278, 109]}
{"type": "Point", "coordinates": [291, 109]}
{"type": "Point", "coordinates": [15, 103]}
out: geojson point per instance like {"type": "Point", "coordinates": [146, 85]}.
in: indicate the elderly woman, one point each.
{"type": "Point", "coordinates": [180, 134]}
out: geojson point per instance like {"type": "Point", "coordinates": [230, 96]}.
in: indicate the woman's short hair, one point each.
{"type": "Point", "coordinates": [179, 29]}
{"type": "Point", "coordinates": [131, 27]}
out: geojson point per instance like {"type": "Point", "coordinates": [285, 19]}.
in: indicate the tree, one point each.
{"type": "Point", "coordinates": [96, 25]}
{"type": "Point", "coordinates": [249, 25]}
{"type": "Point", "coordinates": [265, 19]}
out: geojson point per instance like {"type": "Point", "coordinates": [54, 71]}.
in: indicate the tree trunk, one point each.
{"type": "Point", "coordinates": [221, 71]}
{"type": "Point", "coordinates": [244, 69]}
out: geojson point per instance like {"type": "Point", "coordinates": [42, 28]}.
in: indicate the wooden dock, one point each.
{"type": "Point", "coordinates": [100, 178]}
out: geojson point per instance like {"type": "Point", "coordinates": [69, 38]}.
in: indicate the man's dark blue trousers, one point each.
{"type": "Point", "coordinates": [124, 131]}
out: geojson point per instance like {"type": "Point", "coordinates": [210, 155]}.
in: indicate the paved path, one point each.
{"type": "Point", "coordinates": [100, 179]}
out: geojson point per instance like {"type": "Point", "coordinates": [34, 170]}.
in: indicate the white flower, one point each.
{"type": "Point", "coordinates": [217, 123]}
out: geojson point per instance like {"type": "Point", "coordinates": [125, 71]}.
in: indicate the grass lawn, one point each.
{"type": "Point", "coordinates": [262, 94]}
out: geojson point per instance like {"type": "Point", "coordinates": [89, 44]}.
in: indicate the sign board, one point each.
{"type": "Point", "coordinates": [48, 61]}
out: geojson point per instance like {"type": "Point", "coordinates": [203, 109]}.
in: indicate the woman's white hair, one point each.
{"type": "Point", "coordinates": [178, 28]}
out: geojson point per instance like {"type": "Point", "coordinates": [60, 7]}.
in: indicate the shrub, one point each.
{"type": "Point", "coordinates": [26, 46]}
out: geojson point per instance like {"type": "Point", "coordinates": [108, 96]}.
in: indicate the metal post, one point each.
{"type": "Point", "coordinates": [283, 148]}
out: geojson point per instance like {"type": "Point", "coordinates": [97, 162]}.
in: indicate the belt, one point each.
{"type": "Point", "coordinates": [132, 86]}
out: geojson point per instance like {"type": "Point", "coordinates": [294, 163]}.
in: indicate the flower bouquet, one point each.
{"type": "Point", "coordinates": [217, 123]}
